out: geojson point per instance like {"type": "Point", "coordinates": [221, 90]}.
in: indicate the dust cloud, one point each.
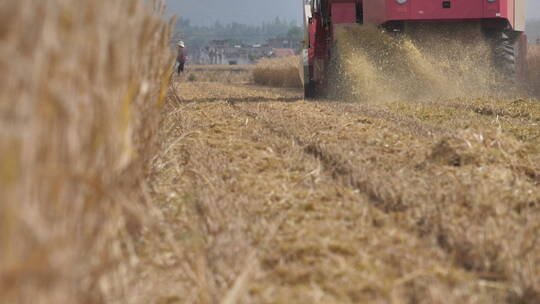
{"type": "Point", "coordinates": [435, 62]}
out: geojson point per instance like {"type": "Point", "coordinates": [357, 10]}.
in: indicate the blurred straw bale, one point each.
{"type": "Point", "coordinates": [81, 84]}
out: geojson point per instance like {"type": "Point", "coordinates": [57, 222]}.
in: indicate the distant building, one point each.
{"type": "Point", "coordinates": [234, 56]}
{"type": "Point", "coordinates": [283, 53]}
{"type": "Point", "coordinates": [221, 44]}
{"type": "Point", "coordinates": [284, 43]}
{"type": "Point", "coordinates": [231, 52]}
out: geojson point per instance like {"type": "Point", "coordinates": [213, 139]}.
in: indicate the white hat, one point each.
{"type": "Point", "coordinates": [181, 44]}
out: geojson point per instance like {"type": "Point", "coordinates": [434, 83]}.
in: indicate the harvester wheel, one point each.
{"type": "Point", "coordinates": [504, 51]}
{"type": "Point", "coordinates": [309, 90]}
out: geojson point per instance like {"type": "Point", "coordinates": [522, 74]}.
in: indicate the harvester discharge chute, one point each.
{"type": "Point", "coordinates": [500, 23]}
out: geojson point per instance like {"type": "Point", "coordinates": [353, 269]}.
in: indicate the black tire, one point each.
{"type": "Point", "coordinates": [310, 91]}
{"type": "Point", "coordinates": [505, 51]}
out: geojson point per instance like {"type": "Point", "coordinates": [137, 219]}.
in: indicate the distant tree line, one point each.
{"type": "Point", "coordinates": [199, 36]}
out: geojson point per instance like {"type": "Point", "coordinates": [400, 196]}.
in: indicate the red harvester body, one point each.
{"type": "Point", "coordinates": [502, 22]}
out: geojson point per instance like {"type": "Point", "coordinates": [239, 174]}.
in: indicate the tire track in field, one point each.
{"type": "Point", "coordinates": [233, 100]}
{"type": "Point", "coordinates": [403, 123]}
{"type": "Point", "coordinates": [519, 109]}
{"type": "Point", "coordinates": [334, 164]}
{"type": "Point", "coordinates": [422, 182]}
{"type": "Point", "coordinates": [242, 182]}
{"type": "Point", "coordinates": [459, 195]}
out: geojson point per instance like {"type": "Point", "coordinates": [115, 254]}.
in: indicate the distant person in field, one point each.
{"type": "Point", "coordinates": [181, 57]}
{"type": "Point", "coordinates": [537, 41]}
{"type": "Point", "coordinates": [212, 55]}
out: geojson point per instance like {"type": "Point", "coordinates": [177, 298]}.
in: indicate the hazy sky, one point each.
{"type": "Point", "coordinates": [241, 11]}
{"type": "Point", "coordinates": [256, 11]}
{"type": "Point", "coordinates": [533, 9]}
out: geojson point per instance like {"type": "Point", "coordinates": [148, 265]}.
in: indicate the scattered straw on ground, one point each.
{"type": "Point", "coordinates": [323, 202]}
{"type": "Point", "coordinates": [206, 91]}
{"type": "Point", "coordinates": [218, 73]}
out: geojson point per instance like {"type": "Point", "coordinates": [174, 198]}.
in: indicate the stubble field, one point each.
{"type": "Point", "coordinates": [271, 199]}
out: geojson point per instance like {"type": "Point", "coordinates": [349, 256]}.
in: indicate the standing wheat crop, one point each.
{"type": "Point", "coordinates": [278, 72]}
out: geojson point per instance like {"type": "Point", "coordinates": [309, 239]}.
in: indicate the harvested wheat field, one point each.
{"type": "Point", "coordinates": [227, 187]}
{"type": "Point", "coordinates": [271, 199]}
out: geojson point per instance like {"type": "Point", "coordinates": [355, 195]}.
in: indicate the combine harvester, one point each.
{"type": "Point", "coordinates": [501, 22]}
